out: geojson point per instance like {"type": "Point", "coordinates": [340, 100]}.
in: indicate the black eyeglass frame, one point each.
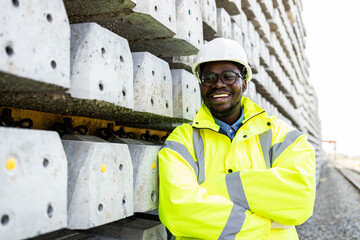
{"type": "Point", "coordinates": [221, 75]}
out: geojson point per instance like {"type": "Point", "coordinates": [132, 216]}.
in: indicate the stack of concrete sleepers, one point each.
{"type": "Point", "coordinates": [124, 63]}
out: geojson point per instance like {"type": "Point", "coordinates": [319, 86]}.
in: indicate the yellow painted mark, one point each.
{"type": "Point", "coordinates": [153, 166]}
{"type": "Point", "coordinates": [103, 168]}
{"type": "Point", "coordinates": [10, 163]}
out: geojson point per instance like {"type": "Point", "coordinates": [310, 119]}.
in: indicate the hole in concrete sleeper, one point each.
{"type": "Point", "coordinates": [153, 196]}
{"type": "Point", "coordinates": [121, 167]}
{"type": "Point", "coordinates": [189, 12]}
{"type": "Point", "coordinates": [15, 3]}
{"type": "Point", "coordinates": [121, 59]}
{"type": "Point", "coordinates": [49, 17]}
{"type": "Point", "coordinates": [103, 51]}
{"type": "Point", "coordinates": [5, 220]}
{"type": "Point", "coordinates": [169, 19]}
{"type": "Point", "coordinates": [101, 87]}
{"type": "Point", "coordinates": [153, 73]}
{"type": "Point", "coordinates": [124, 200]}
{"type": "Point", "coordinates": [187, 109]}
{"type": "Point", "coordinates": [152, 101]}
{"type": "Point", "coordinates": [156, 8]}
{"type": "Point", "coordinates": [50, 211]}
{"type": "Point", "coordinates": [187, 86]}
{"type": "Point", "coordinates": [100, 207]}
{"type": "Point", "coordinates": [9, 50]}
{"type": "Point", "coordinates": [166, 105]}
{"type": "Point", "coordinates": [53, 64]}
{"type": "Point", "coordinates": [45, 162]}
{"type": "Point", "coordinates": [123, 93]}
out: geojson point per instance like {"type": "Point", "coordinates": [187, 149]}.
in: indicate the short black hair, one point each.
{"type": "Point", "coordinates": [241, 67]}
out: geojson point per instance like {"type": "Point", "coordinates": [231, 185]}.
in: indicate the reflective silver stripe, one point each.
{"type": "Point", "coordinates": [236, 190]}
{"type": "Point", "coordinates": [183, 151]}
{"type": "Point", "coordinates": [237, 215]}
{"type": "Point", "coordinates": [234, 223]}
{"type": "Point", "coordinates": [199, 153]}
{"type": "Point", "coordinates": [278, 148]}
{"type": "Point", "coordinates": [265, 142]}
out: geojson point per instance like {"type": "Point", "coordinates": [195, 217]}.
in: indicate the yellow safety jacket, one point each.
{"type": "Point", "coordinates": [257, 186]}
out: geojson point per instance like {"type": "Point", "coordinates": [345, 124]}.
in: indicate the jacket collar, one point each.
{"type": "Point", "coordinates": [204, 118]}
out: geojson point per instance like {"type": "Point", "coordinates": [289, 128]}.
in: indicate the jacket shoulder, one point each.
{"type": "Point", "coordinates": [181, 134]}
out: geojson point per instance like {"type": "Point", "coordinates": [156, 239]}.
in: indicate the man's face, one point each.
{"type": "Point", "coordinates": [223, 100]}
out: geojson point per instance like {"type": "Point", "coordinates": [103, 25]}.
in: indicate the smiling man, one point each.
{"type": "Point", "coordinates": [234, 172]}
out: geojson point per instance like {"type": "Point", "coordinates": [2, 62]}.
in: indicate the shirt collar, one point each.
{"type": "Point", "coordinates": [226, 127]}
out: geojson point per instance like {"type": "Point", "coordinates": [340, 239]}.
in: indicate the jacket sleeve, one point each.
{"type": "Point", "coordinates": [284, 193]}
{"type": "Point", "coordinates": [187, 209]}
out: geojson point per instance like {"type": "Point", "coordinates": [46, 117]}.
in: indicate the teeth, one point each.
{"type": "Point", "coordinates": [220, 95]}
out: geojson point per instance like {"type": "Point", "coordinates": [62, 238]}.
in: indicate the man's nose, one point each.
{"type": "Point", "coordinates": [219, 83]}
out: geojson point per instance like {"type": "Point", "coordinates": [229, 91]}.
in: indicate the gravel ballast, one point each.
{"type": "Point", "coordinates": [337, 209]}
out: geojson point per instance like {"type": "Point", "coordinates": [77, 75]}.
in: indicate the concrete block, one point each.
{"type": "Point", "coordinates": [251, 91]}
{"type": "Point", "coordinates": [209, 15]}
{"type": "Point", "coordinates": [233, 7]}
{"type": "Point", "coordinates": [223, 24]}
{"type": "Point", "coordinates": [147, 20]}
{"type": "Point", "coordinates": [186, 94]}
{"type": "Point", "coordinates": [35, 42]}
{"type": "Point", "coordinates": [101, 65]}
{"type": "Point", "coordinates": [256, 60]}
{"type": "Point", "coordinates": [264, 54]}
{"type": "Point", "coordinates": [134, 229]}
{"type": "Point", "coordinates": [189, 24]}
{"type": "Point", "coordinates": [188, 38]}
{"type": "Point", "coordinates": [244, 23]}
{"type": "Point", "coordinates": [248, 49]}
{"type": "Point", "coordinates": [146, 177]}
{"type": "Point", "coordinates": [236, 33]}
{"type": "Point", "coordinates": [275, 21]}
{"type": "Point", "coordinates": [152, 84]}
{"type": "Point", "coordinates": [182, 62]}
{"type": "Point", "coordinates": [251, 32]}
{"type": "Point", "coordinates": [99, 184]}
{"type": "Point", "coordinates": [264, 32]}
{"type": "Point", "coordinates": [256, 42]}
{"type": "Point", "coordinates": [33, 176]}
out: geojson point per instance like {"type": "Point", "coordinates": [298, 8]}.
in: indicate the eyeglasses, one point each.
{"type": "Point", "coordinates": [228, 77]}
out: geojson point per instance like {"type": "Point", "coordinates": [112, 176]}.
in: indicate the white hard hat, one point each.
{"type": "Point", "coordinates": [221, 49]}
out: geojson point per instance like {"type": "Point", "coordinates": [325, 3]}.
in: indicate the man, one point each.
{"type": "Point", "coordinates": [235, 172]}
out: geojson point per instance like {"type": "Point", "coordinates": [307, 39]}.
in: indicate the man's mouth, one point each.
{"type": "Point", "coordinates": [220, 95]}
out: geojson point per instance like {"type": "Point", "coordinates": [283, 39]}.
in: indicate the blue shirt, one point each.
{"type": "Point", "coordinates": [228, 130]}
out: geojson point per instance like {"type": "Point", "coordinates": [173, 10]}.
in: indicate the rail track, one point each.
{"type": "Point", "coordinates": [352, 175]}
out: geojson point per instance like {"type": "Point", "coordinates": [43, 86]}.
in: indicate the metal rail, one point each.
{"type": "Point", "coordinates": [352, 175]}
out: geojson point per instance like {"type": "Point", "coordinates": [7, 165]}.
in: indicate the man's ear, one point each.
{"type": "Point", "coordinates": [244, 85]}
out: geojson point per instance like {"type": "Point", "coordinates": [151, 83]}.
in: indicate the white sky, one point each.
{"type": "Point", "coordinates": [333, 50]}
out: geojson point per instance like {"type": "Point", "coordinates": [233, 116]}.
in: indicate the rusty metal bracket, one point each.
{"type": "Point", "coordinates": [108, 132]}
{"type": "Point", "coordinates": [68, 128]}
{"type": "Point", "coordinates": [150, 138]}
{"type": "Point", "coordinates": [7, 120]}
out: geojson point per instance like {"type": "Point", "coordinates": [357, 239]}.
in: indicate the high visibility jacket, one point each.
{"type": "Point", "coordinates": [257, 186]}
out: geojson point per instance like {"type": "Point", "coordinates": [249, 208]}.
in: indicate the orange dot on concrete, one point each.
{"type": "Point", "coordinates": [153, 166]}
